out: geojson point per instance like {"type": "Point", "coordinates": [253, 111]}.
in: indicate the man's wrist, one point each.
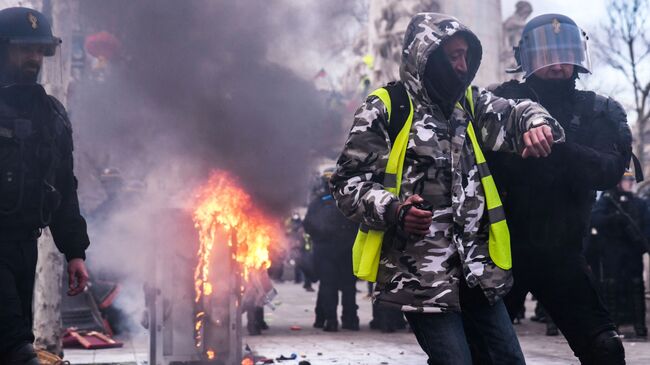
{"type": "Point", "coordinates": [75, 254]}
{"type": "Point", "coordinates": [390, 216]}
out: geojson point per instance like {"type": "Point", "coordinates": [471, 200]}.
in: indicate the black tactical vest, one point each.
{"type": "Point", "coordinates": [576, 114]}
{"type": "Point", "coordinates": [544, 203]}
{"type": "Point", "coordinates": [29, 156]}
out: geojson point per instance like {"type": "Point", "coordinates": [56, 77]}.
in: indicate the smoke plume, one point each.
{"type": "Point", "coordinates": [194, 83]}
{"type": "Point", "coordinates": [195, 86]}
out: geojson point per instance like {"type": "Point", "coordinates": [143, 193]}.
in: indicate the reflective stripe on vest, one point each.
{"type": "Point", "coordinates": [499, 240]}
{"type": "Point", "coordinates": [367, 246]}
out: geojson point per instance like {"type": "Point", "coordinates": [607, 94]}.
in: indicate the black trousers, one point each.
{"type": "Point", "coordinates": [335, 274]}
{"type": "Point", "coordinates": [562, 282]}
{"type": "Point", "coordinates": [17, 274]}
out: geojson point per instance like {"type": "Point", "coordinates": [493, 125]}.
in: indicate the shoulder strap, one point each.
{"type": "Point", "coordinates": [584, 109]}
{"type": "Point", "coordinates": [59, 110]}
{"type": "Point", "coordinates": [399, 124]}
{"type": "Point", "coordinates": [589, 104]}
{"type": "Point", "coordinates": [400, 108]}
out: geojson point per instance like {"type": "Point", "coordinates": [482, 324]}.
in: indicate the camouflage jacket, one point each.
{"type": "Point", "coordinates": [441, 167]}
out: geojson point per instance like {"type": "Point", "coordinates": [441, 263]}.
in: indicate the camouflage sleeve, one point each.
{"type": "Point", "coordinates": [357, 183]}
{"type": "Point", "coordinates": [501, 123]}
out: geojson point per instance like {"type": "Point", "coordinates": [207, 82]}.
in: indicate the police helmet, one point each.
{"type": "Point", "coordinates": [27, 26]}
{"type": "Point", "coordinates": [321, 187]}
{"type": "Point", "coordinates": [552, 39]}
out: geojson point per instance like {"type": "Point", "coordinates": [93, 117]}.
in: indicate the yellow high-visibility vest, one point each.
{"type": "Point", "coordinates": [499, 239]}
{"type": "Point", "coordinates": [367, 245]}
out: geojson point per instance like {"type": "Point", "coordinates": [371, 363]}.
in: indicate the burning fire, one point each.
{"type": "Point", "coordinates": [210, 354]}
{"type": "Point", "coordinates": [224, 214]}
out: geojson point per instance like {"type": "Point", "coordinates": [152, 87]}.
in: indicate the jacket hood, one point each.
{"type": "Point", "coordinates": [424, 35]}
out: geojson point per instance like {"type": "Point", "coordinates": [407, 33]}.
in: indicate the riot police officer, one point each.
{"type": "Point", "coordinates": [548, 201]}
{"type": "Point", "coordinates": [37, 186]}
{"type": "Point", "coordinates": [619, 238]}
{"type": "Point", "coordinates": [332, 235]}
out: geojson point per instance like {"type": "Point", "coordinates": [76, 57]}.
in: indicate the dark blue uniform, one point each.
{"type": "Point", "coordinates": [548, 203]}
{"type": "Point", "coordinates": [615, 253]}
{"type": "Point", "coordinates": [333, 236]}
{"type": "Point", "coordinates": [37, 189]}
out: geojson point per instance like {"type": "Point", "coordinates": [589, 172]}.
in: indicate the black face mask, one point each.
{"type": "Point", "coordinates": [444, 87]}
{"type": "Point", "coordinates": [552, 90]}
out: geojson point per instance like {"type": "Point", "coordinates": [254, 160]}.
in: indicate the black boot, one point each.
{"type": "Point", "coordinates": [351, 324]}
{"type": "Point", "coordinates": [606, 349]}
{"type": "Point", "coordinates": [23, 354]}
{"type": "Point", "coordinates": [259, 316]}
{"type": "Point", "coordinates": [331, 325]}
{"type": "Point", "coordinates": [540, 313]}
{"type": "Point", "coordinates": [320, 316]}
{"type": "Point", "coordinates": [638, 307]}
{"type": "Point", "coordinates": [551, 328]}
{"type": "Point", "coordinates": [252, 326]}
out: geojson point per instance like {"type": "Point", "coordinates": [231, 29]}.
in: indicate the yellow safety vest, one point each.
{"type": "Point", "coordinates": [367, 245]}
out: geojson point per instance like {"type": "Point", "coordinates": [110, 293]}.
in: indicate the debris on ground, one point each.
{"type": "Point", "coordinates": [90, 340]}
{"type": "Point", "coordinates": [293, 356]}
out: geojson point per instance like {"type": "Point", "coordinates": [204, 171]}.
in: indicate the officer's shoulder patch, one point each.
{"type": "Point", "coordinates": [61, 113]}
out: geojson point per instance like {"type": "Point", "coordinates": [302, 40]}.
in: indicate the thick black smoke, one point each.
{"type": "Point", "coordinates": [193, 89]}
{"type": "Point", "coordinates": [193, 83]}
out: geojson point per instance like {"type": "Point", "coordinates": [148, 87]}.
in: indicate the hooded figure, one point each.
{"type": "Point", "coordinates": [425, 277]}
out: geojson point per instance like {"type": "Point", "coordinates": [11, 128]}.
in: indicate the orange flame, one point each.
{"type": "Point", "coordinates": [210, 354]}
{"type": "Point", "coordinates": [224, 214]}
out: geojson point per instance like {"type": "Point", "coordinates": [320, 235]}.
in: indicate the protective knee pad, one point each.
{"type": "Point", "coordinates": [607, 349]}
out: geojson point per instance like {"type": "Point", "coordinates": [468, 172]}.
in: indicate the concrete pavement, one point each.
{"type": "Point", "coordinates": [366, 347]}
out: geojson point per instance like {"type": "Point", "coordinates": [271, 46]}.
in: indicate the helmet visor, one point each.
{"type": "Point", "coordinates": [50, 43]}
{"type": "Point", "coordinates": [553, 44]}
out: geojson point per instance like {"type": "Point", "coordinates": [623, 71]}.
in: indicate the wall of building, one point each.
{"type": "Point", "coordinates": [484, 18]}
{"type": "Point", "coordinates": [388, 20]}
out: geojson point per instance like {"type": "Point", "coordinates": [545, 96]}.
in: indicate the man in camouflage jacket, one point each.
{"type": "Point", "coordinates": [427, 278]}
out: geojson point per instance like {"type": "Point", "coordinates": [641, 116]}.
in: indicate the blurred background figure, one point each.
{"type": "Point", "coordinates": [332, 235]}
{"type": "Point", "coordinates": [300, 252]}
{"type": "Point", "coordinates": [542, 317]}
{"type": "Point", "coordinates": [259, 291]}
{"type": "Point", "coordinates": [619, 238]}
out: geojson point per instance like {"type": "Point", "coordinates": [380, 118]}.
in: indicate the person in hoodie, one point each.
{"type": "Point", "coordinates": [445, 282]}
{"type": "Point", "coordinates": [548, 201]}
